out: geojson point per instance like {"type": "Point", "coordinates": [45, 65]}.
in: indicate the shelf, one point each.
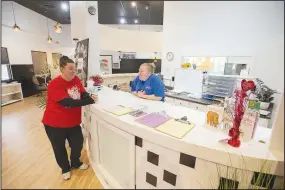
{"type": "Point", "coordinates": [216, 94]}
{"type": "Point", "coordinates": [11, 93]}
{"type": "Point", "coordinates": [10, 102]}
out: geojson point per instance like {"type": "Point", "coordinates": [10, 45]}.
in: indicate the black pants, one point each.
{"type": "Point", "coordinates": [57, 137]}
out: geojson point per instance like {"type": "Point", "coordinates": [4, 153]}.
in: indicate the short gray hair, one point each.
{"type": "Point", "coordinates": [151, 66]}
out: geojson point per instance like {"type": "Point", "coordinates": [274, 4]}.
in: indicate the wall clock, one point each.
{"type": "Point", "coordinates": [92, 10]}
{"type": "Point", "coordinates": [169, 56]}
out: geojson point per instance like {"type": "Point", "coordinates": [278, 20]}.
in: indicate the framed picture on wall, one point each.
{"type": "Point", "coordinates": [55, 60]}
{"type": "Point", "coordinates": [106, 62]}
{"type": "Point", "coordinates": [116, 65]}
{"type": "Point", "coordinates": [128, 55]}
{"type": "Point", "coordinates": [81, 60]}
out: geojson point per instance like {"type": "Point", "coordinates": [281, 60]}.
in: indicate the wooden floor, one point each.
{"type": "Point", "coordinates": [27, 158]}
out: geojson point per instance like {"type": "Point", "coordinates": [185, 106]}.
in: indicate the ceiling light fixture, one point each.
{"type": "Point", "coordinates": [136, 21]}
{"type": "Point", "coordinates": [133, 3]}
{"type": "Point", "coordinates": [15, 27]}
{"type": "Point", "coordinates": [64, 6]}
{"type": "Point", "coordinates": [49, 39]}
{"type": "Point", "coordinates": [146, 7]}
{"type": "Point", "coordinates": [58, 28]}
{"type": "Point", "coordinates": [123, 21]}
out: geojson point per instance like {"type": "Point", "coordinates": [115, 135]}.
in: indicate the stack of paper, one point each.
{"type": "Point", "coordinates": [175, 128]}
{"type": "Point", "coordinates": [119, 110]}
{"type": "Point", "coordinates": [153, 119]}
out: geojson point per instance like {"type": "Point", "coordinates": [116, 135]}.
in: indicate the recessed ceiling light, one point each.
{"type": "Point", "coordinates": [133, 3]}
{"type": "Point", "coordinates": [136, 21]}
{"type": "Point", "coordinates": [146, 7]}
{"type": "Point", "coordinates": [122, 20]}
{"type": "Point", "coordinates": [64, 6]}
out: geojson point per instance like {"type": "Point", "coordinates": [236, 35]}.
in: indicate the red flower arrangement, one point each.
{"type": "Point", "coordinates": [240, 107]}
{"type": "Point", "coordinates": [97, 79]}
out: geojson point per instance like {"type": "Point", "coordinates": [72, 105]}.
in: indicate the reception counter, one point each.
{"type": "Point", "coordinates": [126, 154]}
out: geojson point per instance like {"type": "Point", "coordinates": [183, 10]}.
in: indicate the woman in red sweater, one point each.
{"type": "Point", "coordinates": [62, 117]}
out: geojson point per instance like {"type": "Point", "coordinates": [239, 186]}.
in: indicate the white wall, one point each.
{"type": "Point", "coordinates": [130, 41]}
{"type": "Point", "coordinates": [32, 36]}
{"type": "Point", "coordinates": [84, 25]}
{"type": "Point", "coordinates": [232, 28]}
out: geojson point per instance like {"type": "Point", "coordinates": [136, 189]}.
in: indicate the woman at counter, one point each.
{"type": "Point", "coordinates": [147, 85]}
{"type": "Point", "coordinates": [62, 117]}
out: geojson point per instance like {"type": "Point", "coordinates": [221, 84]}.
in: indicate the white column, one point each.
{"type": "Point", "coordinates": [277, 137]}
{"type": "Point", "coordinates": [83, 26]}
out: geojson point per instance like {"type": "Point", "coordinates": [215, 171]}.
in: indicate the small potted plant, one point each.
{"type": "Point", "coordinates": [264, 94]}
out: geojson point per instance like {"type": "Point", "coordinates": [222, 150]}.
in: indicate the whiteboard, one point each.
{"type": "Point", "coordinates": [188, 80]}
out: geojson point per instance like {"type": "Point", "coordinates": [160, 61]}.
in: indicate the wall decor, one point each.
{"type": "Point", "coordinates": [106, 62]}
{"type": "Point", "coordinates": [55, 60]}
{"type": "Point", "coordinates": [116, 65]}
{"type": "Point", "coordinates": [81, 60]}
{"type": "Point", "coordinates": [39, 61]}
{"type": "Point", "coordinates": [128, 55]}
{"type": "Point", "coordinates": [170, 56]}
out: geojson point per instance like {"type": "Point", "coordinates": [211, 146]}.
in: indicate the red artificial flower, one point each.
{"type": "Point", "coordinates": [240, 96]}
{"type": "Point", "coordinates": [97, 79]}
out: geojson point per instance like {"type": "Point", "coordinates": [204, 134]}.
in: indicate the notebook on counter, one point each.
{"type": "Point", "coordinates": [153, 120]}
{"type": "Point", "coordinates": [175, 128]}
{"type": "Point", "coordinates": [119, 110]}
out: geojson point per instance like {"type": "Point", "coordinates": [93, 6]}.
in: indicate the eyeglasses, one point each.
{"type": "Point", "coordinates": [72, 69]}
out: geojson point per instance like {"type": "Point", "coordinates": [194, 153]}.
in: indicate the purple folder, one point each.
{"type": "Point", "coordinates": [153, 120]}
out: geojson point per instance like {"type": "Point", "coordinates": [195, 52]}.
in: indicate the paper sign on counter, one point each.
{"type": "Point", "coordinates": [119, 110]}
{"type": "Point", "coordinates": [175, 128]}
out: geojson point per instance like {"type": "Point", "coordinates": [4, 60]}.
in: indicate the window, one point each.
{"type": "Point", "coordinates": [227, 65]}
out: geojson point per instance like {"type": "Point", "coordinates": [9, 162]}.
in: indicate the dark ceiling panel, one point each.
{"type": "Point", "coordinates": [50, 9]}
{"type": "Point", "coordinates": [110, 12]}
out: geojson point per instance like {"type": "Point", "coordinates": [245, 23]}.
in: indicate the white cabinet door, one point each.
{"type": "Point", "coordinates": [86, 120]}
{"type": "Point", "coordinates": [93, 142]}
{"type": "Point", "coordinates": [117, 154]}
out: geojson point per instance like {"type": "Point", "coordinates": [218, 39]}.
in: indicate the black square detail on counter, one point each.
{"type": "Point", "coordinates": [263, 180]}
{"type": "Point", "coordinates": [187, 160]}
{"type": "Point", "coordinates": [151, 179]}
{"type": "Point", "coordinates": [169, 177]}
{"type": "Point", "coordinates": [139, 141]}
{"type": "Point", "coordinates": [228, 184]}
{"type": "Point", "coordinates": [152, 158]}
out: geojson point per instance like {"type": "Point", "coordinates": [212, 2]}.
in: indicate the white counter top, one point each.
{"type": "Point", "coordinates": [202, 141]}
{"type": "Point", "coordinates": [119, 75]}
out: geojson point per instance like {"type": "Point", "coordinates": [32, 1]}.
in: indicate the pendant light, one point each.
{"type": "Point", "coordinates": [15, 27]}
{"type": "Point", "coordinates": [49, 39]}
{"type": "Point", "coordinates": [58, 28]}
